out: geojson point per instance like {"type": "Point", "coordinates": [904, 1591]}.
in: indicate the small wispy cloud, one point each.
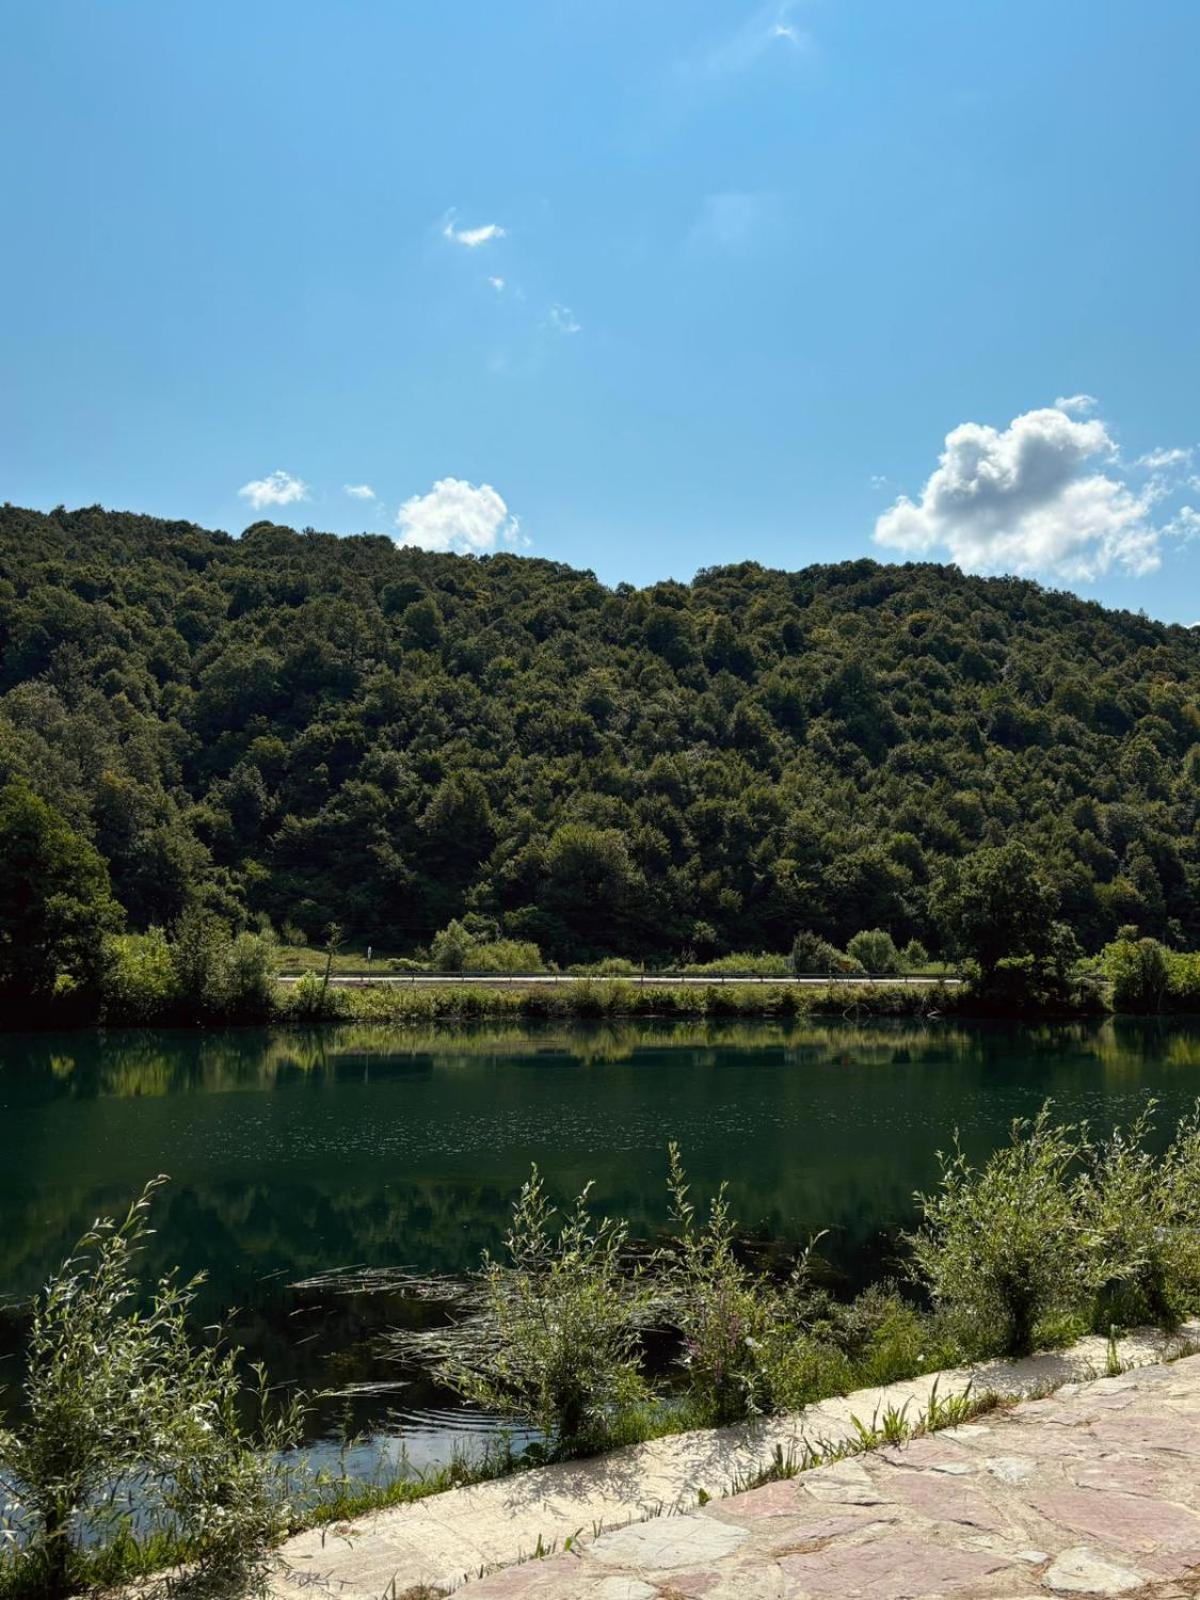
{"type": "Point", "coordinates": [497, 284]}
{"type": "Point", "coordinates": [766, 29]}
{"type": "Point", "coordinates": [563, 320]}
{"type": "Point", "coordinates": [472, 238]}
{"type": "Point", "coordinates": [276, 489]}
{"type": "Point", "coordinates": [359, 491]}
{"type": "Point", "coordinates": [1076, 405]}
{"type": "Point", "coordinates": [1161, 460]}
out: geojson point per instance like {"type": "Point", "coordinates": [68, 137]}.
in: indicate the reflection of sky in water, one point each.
{"type": "Point", "coordinates": [415, 1442]}
{"type": "Point", "coordinates": [292, 1153]}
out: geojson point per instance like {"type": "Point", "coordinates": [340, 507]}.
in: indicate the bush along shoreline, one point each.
{"type": "Point", "coordinates": [137, 1450]}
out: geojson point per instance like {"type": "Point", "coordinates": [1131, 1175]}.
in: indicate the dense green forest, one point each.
{"type": "Point", "coordinates": [311, 729]}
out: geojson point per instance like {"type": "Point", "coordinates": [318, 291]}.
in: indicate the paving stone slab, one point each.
{"type": "Point", "coordinates": [1094, 1491]}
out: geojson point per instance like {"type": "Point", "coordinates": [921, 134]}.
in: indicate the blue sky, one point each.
{"type": "Point", "coordinates": [642, 285]}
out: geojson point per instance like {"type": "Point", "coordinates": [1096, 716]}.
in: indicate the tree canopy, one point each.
{"type": "Point", "coordinates": [323, 729]}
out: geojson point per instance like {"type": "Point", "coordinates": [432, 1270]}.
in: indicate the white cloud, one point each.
{"type": "Point", "coordinates": [1076, 405]}
{"type": "Point", "coordinates": [1033, 498]}
{"type": "Point", "coordinates": [564, 320]}
{"type": "Point", "coordinates": [497, 284]}
{"type": "Point", "coordinates": [359, 491]}
{"type": "Point", "coordinates": [455, 515]}
{"type": "Point", "coordinates": [472, 238]}
{"type": "Point", "coordinates": [1160, 459]}
{"type": "Point", "coordinates": [765, 29]}
{"type": "Point", "coordinates": [276, 489]}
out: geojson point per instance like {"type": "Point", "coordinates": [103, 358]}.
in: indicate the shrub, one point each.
{"type": "Point", "coordinates": [1147, 1246]}
{"type": "Point", "coordinates": [506, 955]}
{"type": "Point", "coordinates": [245, 982]}
{"type": "Point", "coordinates": [309, 1000]}
{"type": "Point", "coordinates": [756, 965]}
{"type": "Point", "coordinates": [115, 1394]}
{"type": "Point", "coordinates": [550, 1335]}
{"type": "Point", "coordinates": [914, 957]}
{"type": "Point", "coordinates": [875, 950]}
{"type": "Point", "coordinates": [139, 978]}
{"type": "Point", "coordinates": [722, 1314]}
{"type": "Point", "coordinates": [811, 954]}
{"type": "Point", "coordinates": [1138, 971]}
{"type": "Point", "coordinates": [1003, 1248]}
{"type": "Point", "coordinates": [457, 949]}
{"type": "Point", "coordinates": [452, 948]}
{"type": "Point", "coordinates": [1183, 980]}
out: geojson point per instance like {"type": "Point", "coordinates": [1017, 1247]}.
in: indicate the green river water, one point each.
{"type": "Point", "coordinates": [291, 1153]}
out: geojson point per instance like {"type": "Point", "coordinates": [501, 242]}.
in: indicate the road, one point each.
{"type": "Point", "coordinates": [518, 980]}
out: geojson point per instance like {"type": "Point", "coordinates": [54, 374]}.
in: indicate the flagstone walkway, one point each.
{"type": "Point", "coordinates": [1093, 1491]}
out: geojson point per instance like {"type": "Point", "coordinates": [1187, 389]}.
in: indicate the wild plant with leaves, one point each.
{"type": "Point", "coordinates": [550, 1335]}
{"type": "Point", "coordinates": [121, 1410]}
{"type": "Point", "coordinates": [1146, 1244]}
{"type": "Point", "coordinates": [1006, 1247]}
{"type": "Point", "coordinates": [724, 1314]}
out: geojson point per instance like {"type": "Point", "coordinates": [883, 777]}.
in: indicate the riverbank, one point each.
{"type": "Point", "coordinates": [467, 1533]}
{"type": "Point", "coordinates": [402, 1001]}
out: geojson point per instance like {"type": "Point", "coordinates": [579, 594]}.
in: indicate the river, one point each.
{"type": "Point", "coordinates": [293, 1153]}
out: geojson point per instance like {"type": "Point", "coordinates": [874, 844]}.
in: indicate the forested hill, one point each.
{"type": "Point", "coordinates": [329, 729]}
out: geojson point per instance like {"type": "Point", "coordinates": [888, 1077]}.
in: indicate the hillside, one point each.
{"type": "Point", "coordinates": [318, 728]}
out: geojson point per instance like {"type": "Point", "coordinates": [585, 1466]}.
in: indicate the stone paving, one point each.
{"type": "Point", "coordinates": [1093, 1491]}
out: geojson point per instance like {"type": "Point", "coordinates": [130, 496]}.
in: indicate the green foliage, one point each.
{"type": "Point", "coordinates": [914, 957]}
{"type": "Point", "coordinates": [336, 729]}
{"type": "Point", "coordinates": [55, 903]}
{"type": "Point", "coordinates": [550, 1334]}
{"type": "Point", "coordinates": [452, 947]}
{"type": "Point", "coordinates": [1004, 1248]}
{"type": "Point", "coordinates": [742, 964]}
{"type": "Point", "coordinates": [812, 955]}
{"type": "Point", "coordinates": [139, 977]}
{"type": "Point", "coordinates": [456, 949]}
{"type": "Point", "coordinates": [1137, 1210]}
{"type": "Point", "coordinates": [875, 951]}
{"type": "Point", "coordinates": [115, 1394]}
{"type": "Point", "coordinates": [720, 1311]}
{"type": "Point", "coordinates": [995, 905]}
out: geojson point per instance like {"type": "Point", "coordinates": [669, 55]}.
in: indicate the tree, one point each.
{"type": "Point", "coordinates": [55, 901]}
{"type": "Point", "coordinates": [996, 904]}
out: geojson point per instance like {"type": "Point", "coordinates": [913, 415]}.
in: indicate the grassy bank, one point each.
{"type": "Point", "coordinates": [311, 1001]}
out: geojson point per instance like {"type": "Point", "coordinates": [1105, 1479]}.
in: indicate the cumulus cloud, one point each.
{"type": "Point", "coordinates": [472, 238]}
{"type": "Point", "coordinates": [456, 515]}
{"type": "Point", "coordinates": [276, 489]}
{"type": "Point", "coordinates": [1039, 496]}
{"type": "Point", "coordinates": [497, 284]}
{"type": "Point", "coordinates": [359, 491]}
{"type": "Point", "coordinates": [564, 320]}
